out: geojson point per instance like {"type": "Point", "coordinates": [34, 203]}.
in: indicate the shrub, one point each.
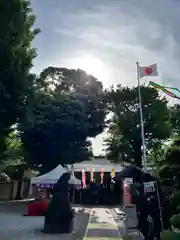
{"type": "Point", "coordinates": [170, 235]}
{"type": "Point", "coordinates": [175, 221]}
{"type": "Point", "coordinates": [175, 202]}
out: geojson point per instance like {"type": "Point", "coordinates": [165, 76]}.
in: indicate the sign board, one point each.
{"type": "Point", "coordinates": [128, 180]}
{"type": "Point", "coordinates": [149, 187]}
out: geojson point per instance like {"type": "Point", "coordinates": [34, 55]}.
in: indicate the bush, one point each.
{"type": "Point", "coordinates": [175, 202]}
{"type": "Point", "coordinates": [170, 235]}
{"type": "Point", "coordinates": [175, 221]}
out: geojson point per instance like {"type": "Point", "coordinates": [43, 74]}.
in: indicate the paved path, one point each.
{"type": "Point", "coordinates": [102, 226]}
{"type": "Point", "coordinates": [127, 228]}
{"type": "Point", "coordinates": [13, 226]}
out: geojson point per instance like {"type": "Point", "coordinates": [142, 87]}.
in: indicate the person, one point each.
{"type": "Point", "coordinates": [142, 214]}
{"type": "Point", "coordinates": [154, 212]}
{"type": "Point", "coordinates": [166, 213]}
{"type": "Point", "coordinates": [151, 228]}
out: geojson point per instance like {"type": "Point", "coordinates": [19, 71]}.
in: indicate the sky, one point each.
{"type": "Point", "coordinates": [107, 37]}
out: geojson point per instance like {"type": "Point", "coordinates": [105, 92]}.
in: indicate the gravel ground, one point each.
{"type": "Point", "coordinates": [13, 226]}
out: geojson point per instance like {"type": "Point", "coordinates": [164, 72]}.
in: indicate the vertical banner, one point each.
{"type": "Point", "coordinates": [127, 200]}
{"type": "Point", "coordinates": [102, 175]}
{"type": "Point", "coordinates": [126, 195]}
{"type": "Point", "coordinates": [92, 175]}
{"type": "Point", "coordinates": [83, 178]}
{"type": "Point", "coordinates": [113, 173]}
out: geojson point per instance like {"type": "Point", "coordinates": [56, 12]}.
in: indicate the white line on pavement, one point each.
{"type": "Point", "coordinates": [86, 231]}
{"type": "Point", "coordinates": [119, 234]}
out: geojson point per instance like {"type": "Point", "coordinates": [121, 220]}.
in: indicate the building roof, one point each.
{"type": "Point", "coordinates": [97, 164]}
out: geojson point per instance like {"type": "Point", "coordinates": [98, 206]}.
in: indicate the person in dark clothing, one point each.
{"type": "Point", "coordinates": [154, 212]}
{"type": "Point", "coordinates": [142, 214]}
{"type": "Point", "coordinates": [166, 213]}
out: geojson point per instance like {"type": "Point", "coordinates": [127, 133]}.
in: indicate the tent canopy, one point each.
{"type": "Point", "coordinates": [53, 176]}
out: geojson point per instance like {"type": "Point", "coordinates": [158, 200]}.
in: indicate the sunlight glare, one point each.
{"type": "Point", "coordinates": [93, 66]}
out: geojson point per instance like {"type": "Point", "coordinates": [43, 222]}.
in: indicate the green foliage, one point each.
{"type": "Point", "coordinates": [175, 221]}
{"type": "Point", "coordinates": [113, 147]}
{"type": "Point", "coordinates": [175, 118]}
{"type": "Point", "coordinates": [67, 108]}
{"type": "Point", "coordinates": [13, 154]}
{"type": "Point", "coordinates": [16, 55]}
{"type": "Point", "coordinates": [156, 156]}
{"type": "Point", "coordinates": [172, 155]}
{"type": "Point", "coordinates": [15, 172]}
{"type": "Point", "coordinates": [170, 235]}
{"type": "Point", "coordinates": [12, 162]}
{"type": "Point", "coordinates": [175, 202]}
{"type": "Point", "coordinates": [125, 124]}
{"type": "Point", "coordinates": [169, 171]}
{"type": "Point", "coordinates": [170, 168]}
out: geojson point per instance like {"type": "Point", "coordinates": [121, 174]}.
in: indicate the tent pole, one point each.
{"type": "Point", "coordinates": [73, 193]}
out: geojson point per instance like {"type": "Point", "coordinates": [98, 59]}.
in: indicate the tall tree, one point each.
{"type": "Point", "coordinates": [175, 119]}
{"type": "Point", "coordinates": [13, 154]}
{"type": "Point", "coordinates": [68, 107]}
{"type": "Point", "coordinates": [16, 55]}
{"type": "Point", "coordinates": [125, 123]}
{"type": "Point", "coordinates": [170, 166]}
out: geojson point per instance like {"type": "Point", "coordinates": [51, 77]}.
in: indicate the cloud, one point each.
{"type": "Point", "coordinates": [118, 32]}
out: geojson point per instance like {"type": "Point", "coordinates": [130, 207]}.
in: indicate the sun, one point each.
{"type": "Point", "coordinates": [94, 66]}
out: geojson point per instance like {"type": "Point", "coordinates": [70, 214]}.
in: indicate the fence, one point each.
{"type": "Point", "coordinates": [13, 190]}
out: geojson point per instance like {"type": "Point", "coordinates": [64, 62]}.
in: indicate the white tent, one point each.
{"type": "Point", "coordinates": [74, 181]}
{"type": "Point", "coordinates": [53, 176]}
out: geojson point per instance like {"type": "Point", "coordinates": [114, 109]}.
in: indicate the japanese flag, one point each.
{"type": "Point", "coordinates": [148, 71]}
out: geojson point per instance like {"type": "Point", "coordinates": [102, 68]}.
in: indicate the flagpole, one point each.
{"type": "Point", "coordinates": [141, 120]}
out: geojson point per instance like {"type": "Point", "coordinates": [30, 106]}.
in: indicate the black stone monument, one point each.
{"type": "Point", "coordinates": [59, 216]}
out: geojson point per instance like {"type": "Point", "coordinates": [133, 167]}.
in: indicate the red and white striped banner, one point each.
{"type": "Point", "coordinates": [102, 175]}
{"type": "Point", "coordinates": [92, 174]}
{"type": "Point", "coordinates": [83, 178]}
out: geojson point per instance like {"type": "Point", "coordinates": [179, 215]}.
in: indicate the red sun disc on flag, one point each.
{"type": "Point", "coordinates": [148, 71]}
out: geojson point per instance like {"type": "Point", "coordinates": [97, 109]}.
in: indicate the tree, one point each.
{"type": "Point", "coordinates": [125, 123]}
{"type": "Point", "coordinates": [170, 167]}
{"type": "Point", "coordinates": [175, 119]}
{"type": "Point", "coordinates": [16, 55]}
{"type": "Point", "coordinates": [68, 107]}
{"type": "Point", "coordinates": [13, 154]}
{"type": "Point", "coordinates": [156, 156]}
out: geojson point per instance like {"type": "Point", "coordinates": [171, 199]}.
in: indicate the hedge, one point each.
{"type": "Point", "coordinates": [170, 235]}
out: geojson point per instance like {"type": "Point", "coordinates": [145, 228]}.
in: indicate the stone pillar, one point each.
{"type": "Point", "coordinates": [14, 189]}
